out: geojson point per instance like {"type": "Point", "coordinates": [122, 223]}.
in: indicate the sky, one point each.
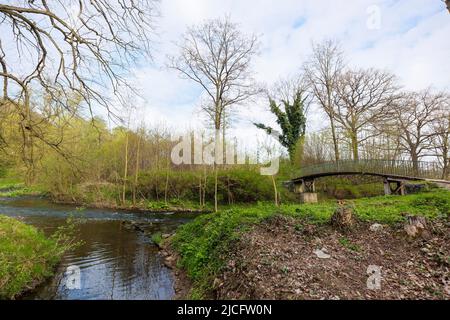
{"type": "Point", "coordinates": [407, 37]}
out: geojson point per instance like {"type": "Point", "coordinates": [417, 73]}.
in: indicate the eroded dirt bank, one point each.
{"type": "Point", "coordinates": [286, 258]}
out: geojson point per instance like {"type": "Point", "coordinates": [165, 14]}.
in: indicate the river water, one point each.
{"type": "Point", "coordinates": [115, 261]}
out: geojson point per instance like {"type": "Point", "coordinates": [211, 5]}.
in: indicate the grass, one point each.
{"type": "Point", "coordinates": [174, 204]}
{"type": "Point", "coordinates": [11, 187]}
{"type": "Point", "coordinates": [27, 256]}
{"type": "Point", "coordinates": [203, 244]}
{"type": "Point", "coordinates": [157, 238]}
{"type": "Point", "coordinates": [346, 243]}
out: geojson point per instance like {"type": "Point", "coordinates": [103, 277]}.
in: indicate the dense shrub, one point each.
{"type": "Point", "coordinates": [235, 185]}
{"type": "Point", "coordinates": [350, 187]}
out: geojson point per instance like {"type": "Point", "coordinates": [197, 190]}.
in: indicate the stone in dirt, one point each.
{"type": "Point", "coordinates": [376, 227]}
{"type": "Point", "coordinates": [134, 225]}
{"type": "Point", "coordinates": [322, 254]}
{"type": "Point", "coordinates": [446, 281]}
{"type": "Point", "coordinates": [169, 262]}
{"type": "Point", "coordinates": [217, 283]}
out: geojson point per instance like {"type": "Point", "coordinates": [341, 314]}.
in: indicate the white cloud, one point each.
{"type": "Point", "coordinates": [412, 42]}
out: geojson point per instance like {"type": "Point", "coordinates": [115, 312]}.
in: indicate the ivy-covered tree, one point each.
{"type": "Point", "coordinates": [291, 117]}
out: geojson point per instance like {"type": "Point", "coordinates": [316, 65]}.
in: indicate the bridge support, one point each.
{"type": "Point", "coordinates": [398, 188]}
{"type": "Point", "coordinates": [307, 190]}
{"type": "Point", "coordinates": [309, 197]}
{"type": "Point", "coordinates": [307, 186]}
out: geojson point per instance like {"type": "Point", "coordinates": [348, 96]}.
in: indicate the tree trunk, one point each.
{"type": "Point", "coordinates": [445, 172]}
{"type": "Point", "coordinates": [216, 169]}
{"type": "Point", "coordinates": [125, 171]}
{"type": "Point", "coordinates": [335, 142]}
{"type": "Point", "coordinates": [205, 181]}
{"type": "Point", "coordinates": [200, 190]}
{"type": "Point", "coordinates": [136, 173]}
{"type": "Point", "coordinates": [415, 162]}
{"type": "Point", "coordinates": [166, 187]}
{"type": "Point", "coordinates": [28, 144]}
{"type": "Point", "coordinates": [223, 140]}
{"type": "Point", "coordinates": [445, 162]}
{"type": "Point", "coordinates": [275, 190]}
{"type": "Point", "coordinates": [355, 152]}
{"type": "Point", "coordinates": [217, 159]}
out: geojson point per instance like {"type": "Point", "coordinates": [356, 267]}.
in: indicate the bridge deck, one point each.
{"type": "Point", "coordinates": [395, 169]}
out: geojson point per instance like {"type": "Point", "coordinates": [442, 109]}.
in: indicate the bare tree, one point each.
{"type": "Point", "coordinates": [68, 48]}
{"type": "Point", "coordinates": [286, 88]}
{"type": "Point", "coordinates": [217, 56]}
{"type": "Point", "coordinates": [382, 146]}
{"type": "Point", "coordinates": [72, 46]}
{"type": "Point", "coordinates": [441, 139]}
{"type": "Point", "coordinates": [363, 99]}
{"type": "Point", "coordinates": [317, 148]}
{"type": "Point", "coordinates": [322, 70]}
{"type": "Point", "coordinates": [413, 118]}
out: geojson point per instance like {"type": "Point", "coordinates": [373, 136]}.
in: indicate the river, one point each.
{"type": "Point", "coordinates": [115, 262]}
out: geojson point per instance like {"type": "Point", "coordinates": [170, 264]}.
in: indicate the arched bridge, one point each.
{"type": "Point", "coordinates": [393, 172]}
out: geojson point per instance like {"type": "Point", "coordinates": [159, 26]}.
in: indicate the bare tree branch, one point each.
{"type": "Point", "coordinates": [83, 47]}
{"type": "Point", "coordinates": [413, 121]}
{"type": "Point", "coordinates": [363, 99]}
{"type": "Point", "coordinates": [322, 71]}
{"type": "Point", "coordinates": [217, 56]}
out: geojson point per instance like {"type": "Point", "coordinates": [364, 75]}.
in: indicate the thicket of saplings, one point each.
{"type": "Point", "coordinates": [123, 166]}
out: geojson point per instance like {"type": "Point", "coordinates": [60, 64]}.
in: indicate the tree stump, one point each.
{"type": "Point", "coordinates": [343, 218]}
{"type": "Point", "coordinates": [416, 226]}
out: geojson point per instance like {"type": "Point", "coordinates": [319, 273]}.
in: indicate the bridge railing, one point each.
{"type": "Point", "coordinates": [406, 168]}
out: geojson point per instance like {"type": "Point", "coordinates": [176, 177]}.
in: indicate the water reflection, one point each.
{"type": "Point", "coordinates": [115, 262]}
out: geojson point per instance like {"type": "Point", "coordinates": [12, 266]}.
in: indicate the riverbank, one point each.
{"type": "Point", "coordinates": [247, 244]}
{"type": "Point", "coordinates": [245, 252]}
{"type": "Point", "coordinates": [13, 189]}
{"type": "Point", "coordinates": [112, 246]}
{"type": "Point", "coordinates": [145, 206]}
{"type": "Point", "coordinates": [27, 257]}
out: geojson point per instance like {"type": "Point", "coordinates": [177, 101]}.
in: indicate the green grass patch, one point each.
{"type": "Point", "coordinates": [157, 238]}
{"type": "Point", "coordinates": [346, 243]}
{"type": "Point", "coordinates": [174, 204]}
{"type": "Point", "coordinates": [11, 187]}
{"type": "Point", "coordinates": [203, 244]}
{"type": "Point", "coordinates": [27, 256]}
